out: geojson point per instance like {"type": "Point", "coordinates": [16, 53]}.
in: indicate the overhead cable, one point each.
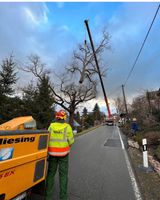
{"type": "Point", "coordinates": [142, 46]}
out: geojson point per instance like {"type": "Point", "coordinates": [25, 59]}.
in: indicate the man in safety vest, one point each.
{"type": "Point", "coordinates": [61, 139]}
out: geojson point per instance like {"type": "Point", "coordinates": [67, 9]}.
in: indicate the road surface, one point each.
{"type": "Point", "coordinates": [100, 168]}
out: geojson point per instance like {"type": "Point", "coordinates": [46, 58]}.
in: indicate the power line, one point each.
{"type": "Point", "coordinates": [142, 46]}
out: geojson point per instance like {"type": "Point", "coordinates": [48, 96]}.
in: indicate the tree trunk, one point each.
{"type": "Point", "coordinates": [71, 118]}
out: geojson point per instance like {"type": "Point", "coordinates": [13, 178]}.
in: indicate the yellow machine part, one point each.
{"type": "Point", "coordinates": [23, 158]}
{"type": "Point", "coordinates": [16, 123]}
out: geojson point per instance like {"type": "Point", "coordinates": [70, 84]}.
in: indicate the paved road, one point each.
{"type": "Point", "coordinates": [98, 168]}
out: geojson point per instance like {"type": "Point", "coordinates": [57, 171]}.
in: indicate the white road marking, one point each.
{"type": "Point", "coordinates": [120, 139]}
{"type": "Point", "coordinates": [133, 179]}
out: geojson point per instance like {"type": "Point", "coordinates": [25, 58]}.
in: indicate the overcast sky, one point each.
{"type": "Point", "coordinates": [52, 30]}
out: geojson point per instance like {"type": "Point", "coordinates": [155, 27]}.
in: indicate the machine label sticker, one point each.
{"type": "Point", "coordinates": [7, 174]}
{"type": "Point", "coordinates": [6, 153]}
{"type": "Point", "coordinates": [16, 140]}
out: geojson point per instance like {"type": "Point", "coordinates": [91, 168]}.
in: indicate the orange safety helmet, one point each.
{"type": "Point", "coordinates": [61, 114]}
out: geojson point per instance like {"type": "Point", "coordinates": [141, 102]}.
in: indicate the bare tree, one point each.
{"type": "Point", "coordinates": [67, 93]}
{"type": "Point", "coordinates": [142, 108]}
{"type": "Point", "coordinates": [119, 105]}
{"type": "Point", "coordinates": [83, 58]}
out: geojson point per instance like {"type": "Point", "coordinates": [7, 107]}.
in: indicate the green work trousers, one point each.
{"type": "Point", "coordinates": [54, 163]}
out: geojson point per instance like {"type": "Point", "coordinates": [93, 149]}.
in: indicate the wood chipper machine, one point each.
{"type": "Point", "coordinates": [23, 159]}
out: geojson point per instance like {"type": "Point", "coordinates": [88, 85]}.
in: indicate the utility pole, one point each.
{"type": "Point", "coordinates": [98, 69]}
{"type": "Point", "coordinates": [125, 104]}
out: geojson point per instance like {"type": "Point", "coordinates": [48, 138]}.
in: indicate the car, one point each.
{"type": "Point", "coordinates": [109, 122]}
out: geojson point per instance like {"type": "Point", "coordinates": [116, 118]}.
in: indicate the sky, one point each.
{"type": "Point", "coordinates": [53, 30]}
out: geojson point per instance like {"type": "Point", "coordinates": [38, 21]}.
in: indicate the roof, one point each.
{"type": "Point", "coordinates": [76, 123]}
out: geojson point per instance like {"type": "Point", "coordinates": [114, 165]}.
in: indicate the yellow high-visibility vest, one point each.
{"type": "Point", "coordinates": [61, 138]}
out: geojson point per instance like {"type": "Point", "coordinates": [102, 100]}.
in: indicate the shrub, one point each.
{"type": "Point", "coordinates": [79, 129]}
{"type": "Point", "coordinates": [138, 138]}
{"type": "Point", "coordinates": [126, 128]}
{"type": "Point", "coordinates": [157, 152]}
{"type": "Point", "coordinates": [153, 137]}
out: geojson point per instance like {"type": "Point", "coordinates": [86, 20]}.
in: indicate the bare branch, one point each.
{"type": "Point", "coordinates": [84, 63]}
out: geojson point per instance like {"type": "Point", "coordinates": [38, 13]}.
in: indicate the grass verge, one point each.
{"type": "Point", "coordinates": [149, 182]}
{"type": "Point", "coordinates": [87, 130]}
